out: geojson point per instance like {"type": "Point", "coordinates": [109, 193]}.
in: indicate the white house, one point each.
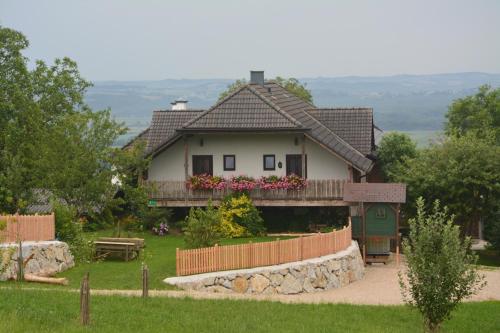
{"type": "Point", "coordinates": [259, 130]}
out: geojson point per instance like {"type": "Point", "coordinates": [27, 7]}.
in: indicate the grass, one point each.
{"type": "Point", "coordinates": [488, 258]}
{"type": "Point", "coordinates": [57, 311]}
{"type": "Point", "coordinates": [159, 255]}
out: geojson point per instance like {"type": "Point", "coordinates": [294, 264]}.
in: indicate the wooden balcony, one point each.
{"type": "Point", "coordinates": [325, 192]}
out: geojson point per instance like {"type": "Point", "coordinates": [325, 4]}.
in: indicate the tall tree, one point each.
{"type": "Point", "coordinates": [49, 137]}
{"type": "Point", "coordinates": [479, 114]}
{"type": "Point", "coordinates": [462, 172]}
{"type": "Point", "coordinates": [292, 85]}
{"type": "Point", "coordinates": [393, 151]}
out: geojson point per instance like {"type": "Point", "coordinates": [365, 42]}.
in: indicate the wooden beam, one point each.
{"type": "Point", "coordinates": [303, 160]}
{"type": "Point", "coordinates": [257, 202]}
{"type": "Point", "coordinates": [186, 158]}
{"type": "Point", "coordinates": [363, 220]}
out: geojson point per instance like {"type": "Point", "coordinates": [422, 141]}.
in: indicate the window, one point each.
{"type": "Point", "coordinates": [202, 164]}
{"type": "Point", "coordinates": [229, 163]}
{"type": "Point", "coordinates": [380, 213]}
{"type": "Point", "coordinates": [269, 162]}
{"type": "Point", "coordinates": [294, 165]}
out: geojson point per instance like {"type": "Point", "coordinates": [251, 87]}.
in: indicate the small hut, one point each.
{"type": "Point", "coordinates": [375, 215]}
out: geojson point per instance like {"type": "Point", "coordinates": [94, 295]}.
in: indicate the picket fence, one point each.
{"type": "Point", "coordinates": [27, 228]}
{"type": "Point", "coordinates": [220, 258]}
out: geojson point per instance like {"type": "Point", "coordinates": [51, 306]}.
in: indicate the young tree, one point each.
{"type": "Point", "coordinates": [292, 85]}
{"type": "Point", "coordinates": [393, 152]}
{"type": "Point", "coordinates": [441, 269]}
{"type": "Point", "coordinates": [478, 114]}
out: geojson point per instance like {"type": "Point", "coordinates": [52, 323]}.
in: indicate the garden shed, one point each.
{"type": "Point", "coordinates": [375, 217]}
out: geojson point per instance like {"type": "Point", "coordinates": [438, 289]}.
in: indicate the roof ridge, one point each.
{"type": "Point", "coordinates": [292, 94]}
{"type": "Point", "coordinates": [253, 91]}
{"type": "Point", "coordinates": [341, 108]}
{"type": "Point", "coordinates": [187, 110]}
{"type": "Point", "coordinates": [275, 106]}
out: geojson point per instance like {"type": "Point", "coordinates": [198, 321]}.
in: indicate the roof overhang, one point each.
{"type": "Point", "coordinates": [375, 192]}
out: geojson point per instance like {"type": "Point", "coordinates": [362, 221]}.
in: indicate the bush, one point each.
{"type": "Point", "coordinates": [202, 227]}
{"type": "Point", "coordinates": [441, 269]}
{"type": "Point", "coordinates": [153, 217]}
{"type": "Point", "coordinates": [70, 230]}
{"type": "Point", "coordinates": [492, 232]}
{"type": "Point", "coordinates": [240, 210]}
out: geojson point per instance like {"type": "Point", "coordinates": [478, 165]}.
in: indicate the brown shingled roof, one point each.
{"type": "Point", "coordinates": [164, 125]}
{"type": "Point", "coordinates": [244, 109]}
{"type": "Point", "coordinates": [354, 125]}
{"type": "Point", "coordinates": [296, 108]}
{"type": "Point", "coordinates": [375, 192]}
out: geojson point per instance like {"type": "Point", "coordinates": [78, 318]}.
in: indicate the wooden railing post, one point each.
{"type": "Point", "coordinates": [250, 254]}
{"type": "Point", "coordinates": [279, 250]}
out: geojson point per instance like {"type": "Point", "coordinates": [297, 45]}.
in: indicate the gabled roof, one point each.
{"type": "Point", "coordinates": [245, 109]}
{"type": "Point", "coordinates": [344, 132]}
{"type": "Point", "coordinates": [354, 125]}
{"type": "Point", "coordinates": [297, 108]}
{"type": "Point", "coordinates": [164, 125]}
{"type": "Point", "coordinates": [144, 135]}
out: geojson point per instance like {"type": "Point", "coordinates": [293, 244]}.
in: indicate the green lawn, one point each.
{"type": "Point", "coordinates": [159, 255]}
{"type": "Point", "coordinates": [57, 311]}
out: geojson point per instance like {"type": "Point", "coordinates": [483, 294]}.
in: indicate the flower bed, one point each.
{"type": "Point", "coordinates": [206, 182]}
{"type": "Point", "coordinates": [246, 183]}
{"type": "Point", "coordinates": [291, 182]}
{"type": "Point", "coordinates": [242, 183]}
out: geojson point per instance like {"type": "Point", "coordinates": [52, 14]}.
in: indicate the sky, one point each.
{"type": "Point", "coordinates": [153, 40]}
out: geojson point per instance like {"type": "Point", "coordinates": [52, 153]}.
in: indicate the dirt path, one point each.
{"type": "Point", "coordinates": [379, 286]}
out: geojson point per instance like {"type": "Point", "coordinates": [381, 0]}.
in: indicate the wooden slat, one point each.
{"type": "Point", "coordinates": [219, 258]}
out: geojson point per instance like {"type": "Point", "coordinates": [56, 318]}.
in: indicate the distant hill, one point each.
{"type": "Point", "coordinates": [401, 102]}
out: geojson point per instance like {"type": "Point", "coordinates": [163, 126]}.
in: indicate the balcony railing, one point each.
{"type": "Point", "coordinates": [324, 189]}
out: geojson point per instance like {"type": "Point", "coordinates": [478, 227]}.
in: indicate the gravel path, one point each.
{"type": "Point", "coordinates": [379, 286]}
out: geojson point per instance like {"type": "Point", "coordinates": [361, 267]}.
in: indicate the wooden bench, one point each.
{"type": "Point", "coordinates": [138, 242]}
{"type": "Point", "coordinates": [127, 249]}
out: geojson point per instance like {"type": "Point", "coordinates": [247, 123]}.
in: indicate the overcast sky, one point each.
{"type": "Point", "coordinates": [149, 40]}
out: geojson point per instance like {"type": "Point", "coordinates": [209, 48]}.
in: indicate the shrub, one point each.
{"type": "Point", "coordinates": [241, 211]}
{"type": "Point", "coordinates": [70, 230]}
{"type": "Point", "coordinates": [441, 269]}
{"type": "Point", "coordinates": [161, 229]}
{"type": "Point", "coordinates": [202, 227]}
{"type": "Point", "coordinates": [153, 217]}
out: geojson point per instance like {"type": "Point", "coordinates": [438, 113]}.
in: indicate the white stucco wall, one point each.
{"type": "Point", "coordinates": [249, 150]}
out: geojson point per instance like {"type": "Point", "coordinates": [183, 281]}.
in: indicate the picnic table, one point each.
{"type": "Point", "coordinates": [128, 248]}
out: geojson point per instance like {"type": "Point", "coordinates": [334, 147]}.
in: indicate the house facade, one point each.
{"type": "Point", "coordinates": [259, 130]}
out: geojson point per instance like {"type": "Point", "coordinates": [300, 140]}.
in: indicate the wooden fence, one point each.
{"type": "Point", "coordinates": [220, 258]}
{"type": "Point", "coordinates": [28, 228]}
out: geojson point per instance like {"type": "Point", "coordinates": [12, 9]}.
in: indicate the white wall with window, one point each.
{"type": "Point", "coordinates": [244, 152]}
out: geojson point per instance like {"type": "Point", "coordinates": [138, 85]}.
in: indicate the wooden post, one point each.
{"type": "Point", "coordinates": [279, 250]}
{"type": "Point", "coordinates": [177, 263]}
{"type": "Point", "coordinates": [186, 158]}
{"type": "Point", "coordinates": [145, 281]}
{"type": "Point", "coordinates": [363, 218]}
{"type": "Point", "coordinates": [85, 301]}
{"type": "Point", "coordinates": [20, 263]}
{"type": "Point", "coordinates": [397, 234]}
{"type": "Point", "coordinates": [303, 161]}
{"type": "Point", "coordinates": [301, 247]}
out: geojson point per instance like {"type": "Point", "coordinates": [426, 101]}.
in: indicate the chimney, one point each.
{"type": "Point", "coordinates": [179, 104]}
{"type": "Point", "coordinates": [257, 77]}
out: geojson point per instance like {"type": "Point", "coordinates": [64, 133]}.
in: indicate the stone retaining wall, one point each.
{"type": "Point", "coordinates": [48, 257]}
{"type": "Point", "coordinates": [307, 276]}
